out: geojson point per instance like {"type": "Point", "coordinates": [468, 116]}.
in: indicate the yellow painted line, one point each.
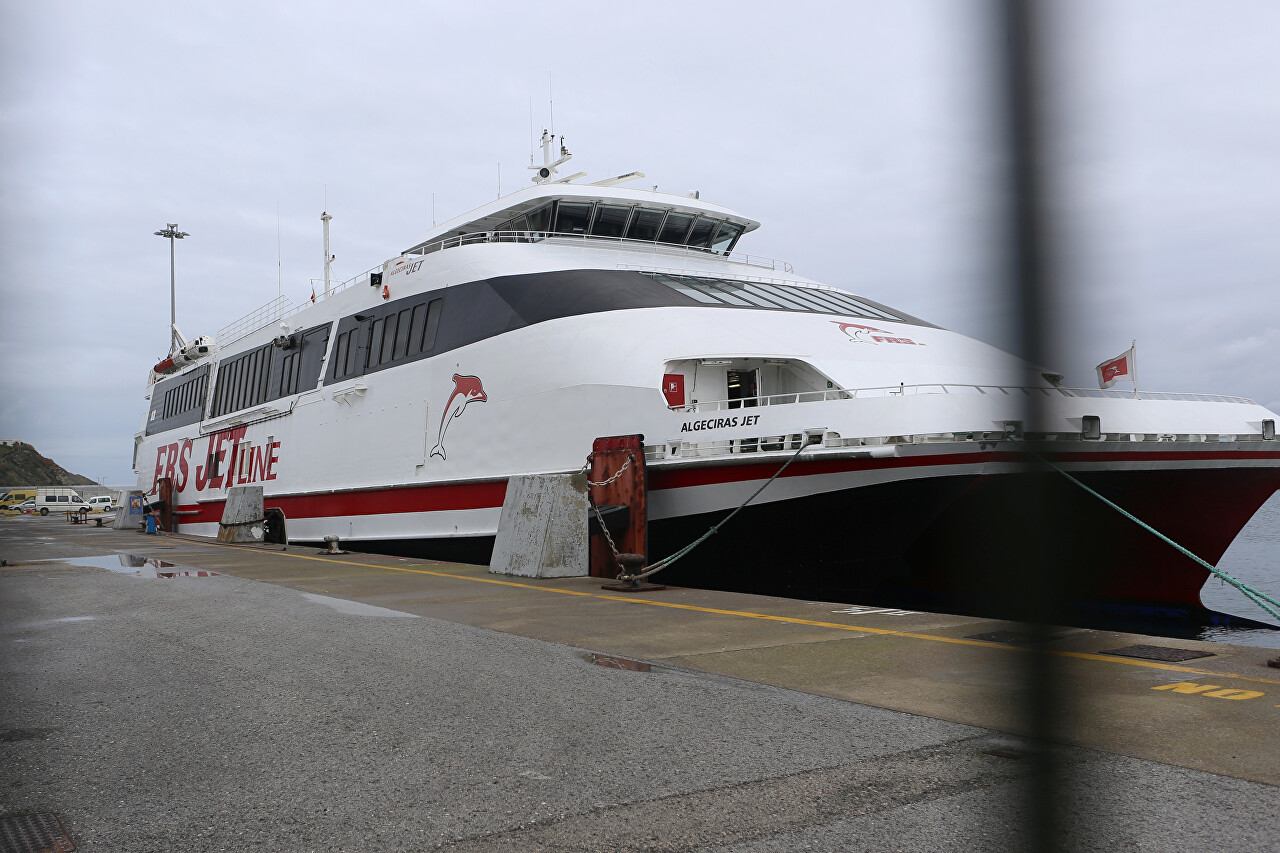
{"type": "Point", "coordinates": [789, 620]}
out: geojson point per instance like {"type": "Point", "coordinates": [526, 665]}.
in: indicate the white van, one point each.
{"type": "Point", "coordinates": [101, 503]}
{"type": "Point", "coordinates": [59, 500]}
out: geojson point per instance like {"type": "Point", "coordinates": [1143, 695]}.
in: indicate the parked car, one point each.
{"type": "Point", "coordinates": [101, 503]}
{"type": "Point", "coordinates": [28, 506]}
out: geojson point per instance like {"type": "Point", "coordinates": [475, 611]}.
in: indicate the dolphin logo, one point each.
{"type": "Point", "coordinates": [863, 334]}
{"type": "Point", "coordinates": [466, 390]}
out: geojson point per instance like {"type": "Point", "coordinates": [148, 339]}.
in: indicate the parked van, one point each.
{"type": "Point", "coordinates": [101, 503]}
{"type": "Point", "coordinates": [59, 500]}
{"type": "Point", "coordinates": [17, 496]}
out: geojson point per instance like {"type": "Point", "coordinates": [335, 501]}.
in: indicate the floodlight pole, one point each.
{"type": "Point", "coordinates": [172, 233]}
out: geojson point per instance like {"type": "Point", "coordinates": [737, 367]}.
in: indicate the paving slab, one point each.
{"type": "Point", "coordinates": [300, 702]}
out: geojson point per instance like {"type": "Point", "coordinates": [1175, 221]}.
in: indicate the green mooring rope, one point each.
{"type": "Point", "coordinates": [1258, 597]}
{"type": "Point", "coordinates": [715, 528]}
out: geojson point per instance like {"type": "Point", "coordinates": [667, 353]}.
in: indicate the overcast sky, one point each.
{"type": "Point", "coordinates": [861, 134]}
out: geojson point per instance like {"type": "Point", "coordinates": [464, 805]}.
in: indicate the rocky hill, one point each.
{"type": "Point", "coordinates": [21, 465]}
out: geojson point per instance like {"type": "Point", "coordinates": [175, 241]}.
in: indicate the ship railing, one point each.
{"type": "Point", "coordinates": [618, 242]}
{"type": "Point", "coordinates": [948, 388]}
{"type": "Point", "coordinates": [275, 310]}
{"type": "Point", "coordinates": [281, 308]}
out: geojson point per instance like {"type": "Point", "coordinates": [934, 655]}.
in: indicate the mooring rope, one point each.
{"type": "Point", "coordinates": [667, 561]}
{"type": "Point", "coordinates": [1266, 602]}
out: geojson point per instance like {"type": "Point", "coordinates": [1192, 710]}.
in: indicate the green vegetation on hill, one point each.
{"type": "Point", "coordinates": [21, 465]}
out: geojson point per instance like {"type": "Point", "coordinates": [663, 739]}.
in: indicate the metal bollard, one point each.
{"type": "Point", "coordinates": [331, 546]}
{"type": "Point", "coordinates": [632, 564]}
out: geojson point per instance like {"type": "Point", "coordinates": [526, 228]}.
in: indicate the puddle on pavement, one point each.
{"type": "Point", "coordinates": [137, 564]}
{"type": "Point", "coordinates": [356, 608]}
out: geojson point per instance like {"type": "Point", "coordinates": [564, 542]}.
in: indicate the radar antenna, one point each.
{"type": "Point", "coordinates": [547, 171]}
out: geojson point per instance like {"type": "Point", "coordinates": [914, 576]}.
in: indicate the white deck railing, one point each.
{"type": "Point", "coordinates": [282, 306]}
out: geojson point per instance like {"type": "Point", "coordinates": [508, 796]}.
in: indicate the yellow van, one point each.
{"type": "Point", "coordinates": [17, 496]}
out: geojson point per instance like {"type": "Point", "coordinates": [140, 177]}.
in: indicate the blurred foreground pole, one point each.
{"type": "Point", "coordinates": [1028, 296]}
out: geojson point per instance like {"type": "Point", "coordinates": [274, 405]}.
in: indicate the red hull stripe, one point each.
{"type": "Point", "coordinates": [369, 502]}
{"type": "Point", "coordinates": [463, 496]}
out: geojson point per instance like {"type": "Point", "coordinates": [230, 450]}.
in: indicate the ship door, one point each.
{"type": "Point", "coordinates": [742, 388]}
{"type": "Point", "coordinates": [744, 393]}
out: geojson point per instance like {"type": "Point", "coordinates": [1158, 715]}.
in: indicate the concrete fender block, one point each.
{"type": "Point", "coordinates": [542, 532]}
{"type": "Point", "coordinates": [242, 515]}
{"type": "Point", "coordinates": [130, 512]}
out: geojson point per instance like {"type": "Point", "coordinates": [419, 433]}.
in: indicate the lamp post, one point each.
{"type": "Point", "coordinates": [172, 233]}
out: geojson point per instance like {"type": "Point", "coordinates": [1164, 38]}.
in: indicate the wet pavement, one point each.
{"type": "Point", "coordinates": [285, 701]}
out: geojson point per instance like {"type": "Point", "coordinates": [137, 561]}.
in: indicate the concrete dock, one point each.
{"type": "Point", "coordinates": [294, 701]}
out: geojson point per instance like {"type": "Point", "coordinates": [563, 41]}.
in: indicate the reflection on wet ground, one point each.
{"type": "Point", "coordinates": [136, 564]}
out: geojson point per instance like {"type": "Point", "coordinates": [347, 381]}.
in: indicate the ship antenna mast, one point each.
{"type": "Point", "coordinates": [545, 172]}
{"type": "Point", "coordinates": [328, 258]}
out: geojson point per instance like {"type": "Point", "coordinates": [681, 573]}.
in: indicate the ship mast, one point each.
{"type": "Point", "coordinates": [544, 173]}
{"type": "Point", "coordinates": [328, 258]}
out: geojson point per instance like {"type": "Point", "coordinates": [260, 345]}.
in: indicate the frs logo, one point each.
{"type": "Point", "coordinates": [466, 390]}
{"type": "Point", "coordinates": [872, 335]}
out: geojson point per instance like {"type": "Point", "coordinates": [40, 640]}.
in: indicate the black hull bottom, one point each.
{"type": "Point", "coordinates": [974, 545]}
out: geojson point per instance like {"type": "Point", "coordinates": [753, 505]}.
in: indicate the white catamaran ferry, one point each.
{"type": "Point", "coordinates": [392, 409]}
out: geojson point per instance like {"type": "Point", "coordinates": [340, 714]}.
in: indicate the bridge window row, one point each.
{"type": "Point", "coordinates": [630, 222]}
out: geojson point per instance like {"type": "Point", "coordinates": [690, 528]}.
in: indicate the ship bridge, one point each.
{"type": "Point", "coordinates": [642, 216]}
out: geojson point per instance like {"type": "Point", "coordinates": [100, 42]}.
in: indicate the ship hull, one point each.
{"type": "Point", "coordinates": [978, 543]}
{"type": "Point", "coordinates": [958, 527]}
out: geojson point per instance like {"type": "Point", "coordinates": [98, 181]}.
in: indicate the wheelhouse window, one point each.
{"type": "Point", "coordinates": [610, 221]}
{"type": "Point", "coordinates": [540, 219]}
{"type": "Point", "coordinates": [726, 235]}
{"type": "Point", "coordinates": [675, 228]}
{"type": "Point", "coordinates": [701, 233]}
{"type": "Point", "coordinates": [572, 218]}
{"type": "Point", "coordinates": [646, 224]}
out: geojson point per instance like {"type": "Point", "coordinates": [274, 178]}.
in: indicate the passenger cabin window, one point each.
{"type": "Point", "coordinates": [755, 294]}
{"type": "Point", "coordinates": [289, 365]}
{"type": "Point", "coordinates": [406, 332]}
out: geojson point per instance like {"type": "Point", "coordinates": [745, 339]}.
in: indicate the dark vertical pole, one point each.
{"type": "Point", "coordinates": [1038, 587]}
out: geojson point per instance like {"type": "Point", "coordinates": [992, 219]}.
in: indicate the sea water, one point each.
{"type": "Point", "coordinates": [1254, 557]}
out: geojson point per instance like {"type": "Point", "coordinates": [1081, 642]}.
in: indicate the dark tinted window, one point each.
{"type": "Point", "coordinates": [540, 219]}
{"type": "Point", "coordinates": [402, 333]}
{"type": "Point", "coordinates": [645, 224]}
{"type": "Point", "coordinates": [611, 220]}
{"type": "Point", "coordinates": [433, 324]}
{"type": "Point", "coordinates": [725, 237]}
{"type": "Point", "coordinates": [572, 218]}
{"type": "Point", "coordinates": [703, 229]}
{"type": "Point", "coordinates": [675, 228]}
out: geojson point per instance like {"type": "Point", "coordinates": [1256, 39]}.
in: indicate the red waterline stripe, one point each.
{"type": "Point", "coordinates": [369, 502]}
